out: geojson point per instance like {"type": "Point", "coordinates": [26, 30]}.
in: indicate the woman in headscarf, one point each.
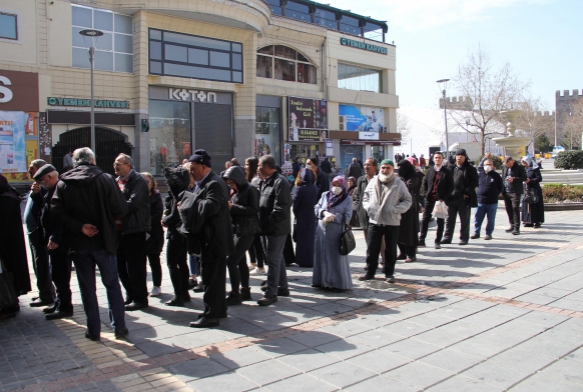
{"type": "Point", "coordinates": [331, 270]}
{"type": "Point", "coordinates": [12, 248]}
{"type": "Point", "coordinates": [409, 227]}
{"type": "Point", "coordinates": [305, 198]}
{"type": "Point", "coordinates": [533, 215]}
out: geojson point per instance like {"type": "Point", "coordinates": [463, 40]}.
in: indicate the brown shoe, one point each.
{"type": "Point", "coordinates": [410, 259]}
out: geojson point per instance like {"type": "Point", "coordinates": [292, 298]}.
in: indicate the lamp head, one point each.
{"type": "Point", "coordinates": [91, 33]}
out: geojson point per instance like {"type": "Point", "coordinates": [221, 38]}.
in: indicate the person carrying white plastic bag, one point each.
{"type": "Point", "coordinates": [440, 210]}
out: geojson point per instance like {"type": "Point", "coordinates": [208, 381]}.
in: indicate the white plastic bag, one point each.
{"type": "Point", "coordinates": [440, 210]}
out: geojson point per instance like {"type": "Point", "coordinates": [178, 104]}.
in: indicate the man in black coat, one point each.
{"type": "Point", "coordinates": [86, 204]}
{"type": "Point", "coordinates": [60, 264]}
{"type": "Point", "coordinates": [489, 188]}
{"type": "Point", "coordinates": [438, 185]}
{"type": "Point", "coordinates": [513, 174]}
{"type": "Point", "coordinates": [131, 254]}
{"type": "Point", "coordinates": [211, 199]}
{"type": "Point", "coordinates": [275, 221]}
{"type": "Point", "coordinates": [462, 198]}
{"type": "Point", "coordinates": [355, 170]}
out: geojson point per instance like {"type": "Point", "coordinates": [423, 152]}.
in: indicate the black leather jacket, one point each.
{"type": "Point", "coordinates": [274, 206]}
{"type": "Point", "coordinates": [245, 204]}
{"type": "Point", "coordinates": [136, 193]}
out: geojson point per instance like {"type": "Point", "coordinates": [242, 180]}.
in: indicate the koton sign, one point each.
{"type": "Point", "coordinates": [182, 94]}
{"type": "Point", "coordinates": [19, 91]}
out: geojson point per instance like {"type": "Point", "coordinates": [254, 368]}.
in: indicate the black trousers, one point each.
{"type": "Point", "coordinates": [237, 263]}
{"type": "Point", "coordinates": [461, 208]}
{"type": "Point", "coordinates": [38, 249]}
{"type": "Point", "coordinates": [256, 252]}
{"type": "Point", "coordinates": [176, 262]}
{"type": "Point", "coordinates": [156, 268]}
{"type": "Point", "coordinates": [407, 250]}
{"type": "Point", "coordinates": [376, 233]}
{"type": "Point", "coordinates": [61, 273]}
{"type": "Point", "coordinates": [512, 204]}
{"type": "Point", "coordinates": [214, 277]}
{"type": "Point", "coordinates": [131, 266]}
{"type": "Point", "coordinates": [425, 223]}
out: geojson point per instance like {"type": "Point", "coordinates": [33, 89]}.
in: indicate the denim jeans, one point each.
{"type": "Point", "coordinates": [485, 210]}
{"type": "Point", "coordinates": [276, 274]}
{"type": "Point", "coordinates": [85, 262]}
{"type": "Point", "coordinates": [193, 264]}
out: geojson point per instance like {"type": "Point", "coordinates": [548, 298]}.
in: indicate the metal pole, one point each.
{"type": "Point", "coordinates": [445, 118]}
{"type": "Point", "coordinates": [91, 54]}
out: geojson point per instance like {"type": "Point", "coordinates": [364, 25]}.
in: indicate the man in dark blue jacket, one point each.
{"type": "Point", "coordinates": [490, 186]}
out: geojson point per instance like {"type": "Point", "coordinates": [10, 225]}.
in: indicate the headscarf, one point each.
{"type": "Point", "coordinates": [531, 162]}
{"type": "Point", "coordinates": [351, 178]}
{"type": "Point", "coordinates": [334, 200]}
{"type": "Point", "coordinates": [307, 177]}
{"type": "Point", "coordinates": [7, 190]}
{"type": "Point", "coordinates": [406, 169]}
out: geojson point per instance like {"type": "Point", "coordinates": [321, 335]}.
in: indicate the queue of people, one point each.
{"type": "Point", "coordinates": [90, 219]}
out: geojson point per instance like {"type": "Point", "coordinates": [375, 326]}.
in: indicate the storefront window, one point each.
{"type": "Point", "coordinates": [268, 132]}
{"type": "Point", "coordinates": [170, 136]}
{"type": "Point", "coordinates": [354, 77]}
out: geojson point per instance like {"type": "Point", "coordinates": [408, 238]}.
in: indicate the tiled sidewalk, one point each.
{"type": "Point", "coordinates": [493, 315]}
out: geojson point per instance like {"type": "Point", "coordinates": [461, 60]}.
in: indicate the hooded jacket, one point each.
{"type": "Point", "coordinates": [85, 194]}
{"type": "Point", "coordinates": [245, 204]}
{"type": "Point", "coordinates": [178, 180]}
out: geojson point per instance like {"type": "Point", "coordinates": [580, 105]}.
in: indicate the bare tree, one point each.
{"type": "Point", "coordinates": [402, 125]}
{"type": "Point", "coordinates": [533, 121]}
{"type": "Point", "coordinates": [490, 92]}
{"type": "Point", "coordinates": [573, 125]}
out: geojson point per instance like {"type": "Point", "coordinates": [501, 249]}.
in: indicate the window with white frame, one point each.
{"type": "Point", "coordinates": [9, 26]}
{"type": "Point", "coordinates": [284, 63]}
{"type": "Point", "coordinates": [114, 50]}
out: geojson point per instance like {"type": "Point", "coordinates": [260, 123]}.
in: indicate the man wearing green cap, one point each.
{"type": "Point", "coordinates": [385, 199]}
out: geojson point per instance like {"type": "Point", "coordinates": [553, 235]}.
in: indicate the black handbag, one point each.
{"type": "Point", "coordinates": [347, 242]}
{"type": "Point", "coordinates": [8, 296]}
{"type": "Point", "coordinates": [530, 197]}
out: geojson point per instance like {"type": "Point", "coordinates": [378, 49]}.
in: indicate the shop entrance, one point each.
{"type": "Point", "coordinates": [346, 155]}
{"type": "Point", "coordinates": [109, 144]}
{"type": "Point", "coordinates": [305, 151]}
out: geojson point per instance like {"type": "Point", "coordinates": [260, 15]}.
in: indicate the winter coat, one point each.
{"type": "Point", "coordinates": [86, 194]}
{"type": "Point", "coordinates": [355, 170]}
{"type": "Point", "coordinates": [51, 228]}
{"type": "Point", "coordinates": [155, 243]}
{"type": "Point", "coordinates": [178, 180]}
{"type": "Point", "coordinates": [274, 205]}
{"type": "Point", "coordinates": [465, 182]}
{"type": "Point", "coordinates": [244, 205]}
{"type": "Point", "coordinates": [305, 198]}
{"type": "Point", "coordinates": [361, 184]}
{"type": "Point", "coordinates": [409, 227]}
{"type": "Point", "coordinates": [388, 210]}
{"type": "Point", "coordinates": [535, 212]}
{"type": "Point", "coordinates": [518, 172]}
{"type": "Point", "coordinates": [444, 187]}
{"type": "Point", "coordinates": [489, 187]}
{"type": "Point", "coordinates": [137, 219]}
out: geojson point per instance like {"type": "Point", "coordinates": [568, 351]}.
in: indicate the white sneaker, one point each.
{"type": "Point", "coordinates": [156, 291]}
{"type": "Point", "coordinates": [252, 266]}
{"type": "Point", "coordinates": [257, 271]}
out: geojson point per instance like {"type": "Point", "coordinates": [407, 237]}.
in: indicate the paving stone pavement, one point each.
{"type": "Point", "coordinates": [497, 315]}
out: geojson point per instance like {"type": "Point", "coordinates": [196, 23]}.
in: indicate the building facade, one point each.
{"type": "Point", "coordinates": [287, 78]}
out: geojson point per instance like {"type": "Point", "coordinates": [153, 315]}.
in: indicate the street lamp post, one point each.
{"type": "Point", "coordinates": [442, 85]}
{"type": "Point", "coordinates": [92, 34]}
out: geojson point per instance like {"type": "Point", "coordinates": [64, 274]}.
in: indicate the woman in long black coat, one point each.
{"type": "Point", "coordinates": [533, 215]}
{"type": "Point", "coordinates": [155, 241]}
{"type": "Point", "coordinates": [305, 198]}
{"type": "Point", "coordinates": [409, 228]}
{"type": "Point", "coordinates": [12, 245]}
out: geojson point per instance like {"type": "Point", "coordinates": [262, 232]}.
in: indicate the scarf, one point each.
{"type": "Point", "coordinates": [332, 199]}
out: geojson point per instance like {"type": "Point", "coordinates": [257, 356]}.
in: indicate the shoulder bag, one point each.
{"type": "Point", "coordinates": [347, 242]}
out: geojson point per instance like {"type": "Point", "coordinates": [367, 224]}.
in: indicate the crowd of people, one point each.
{"type": "Point", "coordinates": [87, 218]}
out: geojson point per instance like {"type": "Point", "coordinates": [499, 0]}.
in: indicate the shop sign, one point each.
{"type": "Point", "coordinates": [85, 103]}
{"type": "Point", "coordinates": [370, 143]}
{"type": "Point", "coordinates": [19, 91]}
{"type": "Point", "coordinates": [368, 135]}
{"type": "Point", "coordinates": [182, 94]}
{"type": "Point", "coordinates": [363, 45]}
{"type": "Point", "coordinates": [12, 142]}
{"type": "Point", "coordinates": [361, 118]}
{"type": "Point", "coordinates": [308, 119]}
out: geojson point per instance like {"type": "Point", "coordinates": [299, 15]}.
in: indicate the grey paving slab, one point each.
{"type": "Point", "coordinates": [279, 347]}
{"type": "Point", "coordinates": [379, 361]}
{"type": "Point", "coordinates": [265, 373]}
{"type": "Point", "coordinates": [381, 383]}
{"type": "Point", "coordinates": [241, 357]}
{"type": "Point", "coordinates": [307, 360]}
{"type": "Point", "coordinates": [198, 368]}
{"type": "Point", "coordinates": [227, 382]}
{"type": "Point", "coordinates": [462, 383]}
{"type": "Point", "coordinates": [411, 348]}
{"type": "Point", "coordinates": [342, 374]}
{"type": "Point", "coordinates": [451, 360]}
{"type": "Point", "coordinates": [314, 338]}
{"type": "Point", "coordinates": [348, 328]}
{"type": "Point", "coordinates": [301, 383]}
{"type": "Point", "coordinates": [419, 374]}
{"type": "Point", "coordinates": [376, 338]}
{"type": "Point", "coordinates": [499, 375]}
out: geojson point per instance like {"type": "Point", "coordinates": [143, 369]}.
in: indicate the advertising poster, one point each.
{"type": "Point", "coordinates": [362, 119]}
{"type": "Point", "coordinates": [308, 119]}
{"type": "Point", "coordinates": [45, 140]}
{"type": "Point", "coordinates": [12, 142]}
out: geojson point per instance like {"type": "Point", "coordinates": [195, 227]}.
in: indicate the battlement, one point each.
{"type": "Point", "coordinates": [566, 94]}
{"type": "Point", "coordinates": [459, 103]}
{"type": "Point", "coordinates": [546, 113]}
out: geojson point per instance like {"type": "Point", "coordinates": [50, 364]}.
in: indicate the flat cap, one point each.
{"type": "Point", "coordinates": [45, 169]}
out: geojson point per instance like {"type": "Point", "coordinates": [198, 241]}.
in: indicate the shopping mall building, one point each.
{"type": "Point", "coordinates": [237, 78]}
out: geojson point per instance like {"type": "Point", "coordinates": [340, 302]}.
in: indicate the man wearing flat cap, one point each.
{"type": "Point", "coordinates": [462, 198]}
{"type": "Point", "coordinates": [385, 199]}
{"type": "Point", "coordinates": [211, 198]}
{"type": "Point", "coordinates": [60, 264]}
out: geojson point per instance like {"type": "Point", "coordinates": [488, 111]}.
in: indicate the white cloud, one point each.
{"type": "Point", "coordinates": [424, 14]}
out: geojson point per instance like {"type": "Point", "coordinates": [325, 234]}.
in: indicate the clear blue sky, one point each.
{"type": "Point", "coordinates": [541, 39]}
